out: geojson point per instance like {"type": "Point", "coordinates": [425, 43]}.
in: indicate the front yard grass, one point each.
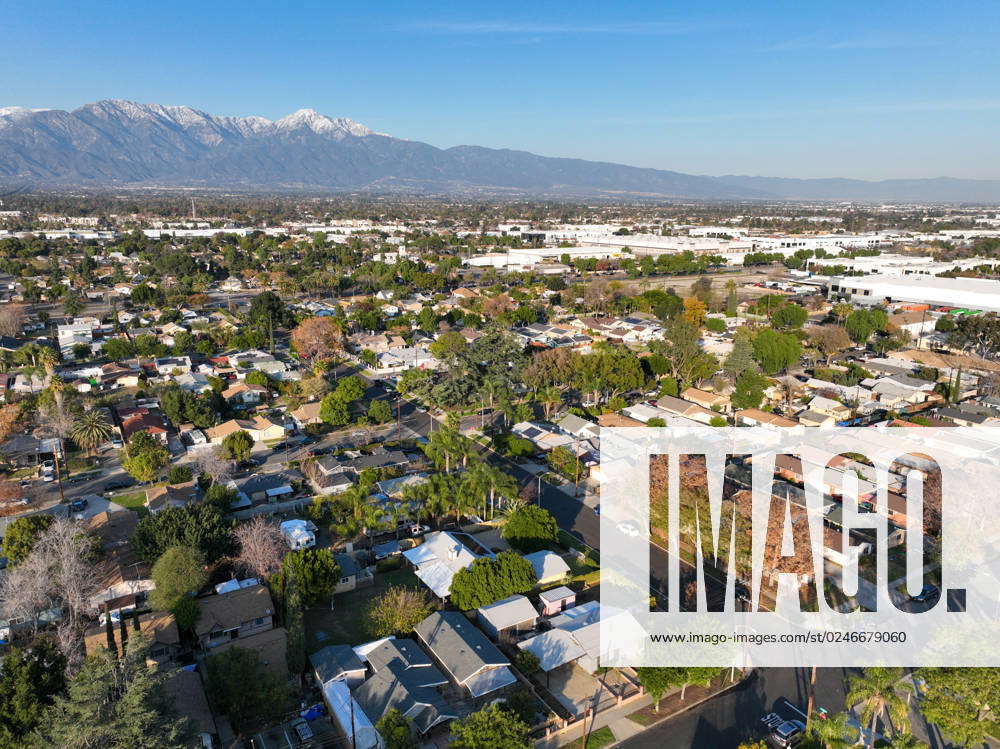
{"type": "Point", "coordinates": [132, 501]}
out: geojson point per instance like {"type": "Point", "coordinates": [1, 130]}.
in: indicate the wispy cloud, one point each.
{"type": "Point", "coordinates": [871, 41]}
{"type": "Point", "coordinates": [651, 28]}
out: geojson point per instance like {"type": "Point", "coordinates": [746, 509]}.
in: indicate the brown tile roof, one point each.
{"type": "Point", "coordinates": [185, 689]}
{"type": "Point", "coordinates": [230, 610]}
{"type": "Point", "coordinates": [159, 626]}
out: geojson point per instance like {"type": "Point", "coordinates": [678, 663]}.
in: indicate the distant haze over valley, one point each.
{"type": "Point", "coordinates": [114, 143]}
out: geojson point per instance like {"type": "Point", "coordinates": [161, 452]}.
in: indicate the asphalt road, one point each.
{"type": "Point", "coordinates": [731, 718]}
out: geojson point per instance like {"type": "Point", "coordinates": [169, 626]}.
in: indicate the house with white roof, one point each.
{"type": "Point", "coordinates": [510, 615]}
{"type": "Point", "coordinates": [439, 558]}
{"type": "Point", "coordinates": [549, 567]}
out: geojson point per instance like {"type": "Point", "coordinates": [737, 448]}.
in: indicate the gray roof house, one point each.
{"type": "Point", "coordinates": [465, 653]}
{"type": "Point", "coordinates": [338, 663]}
{"type": "Point", "coordinates": [512, 614]}
{"type": "Point", "coordinates": [404, 678]}
{"type": "Point", "coordinates": [397, 687]}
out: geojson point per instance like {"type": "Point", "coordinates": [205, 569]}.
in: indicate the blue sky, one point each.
{"type": "Point", "coordinates": [873, 89]}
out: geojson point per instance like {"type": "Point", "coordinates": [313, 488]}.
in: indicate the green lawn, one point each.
{"type": "Point", "coordinates": [643, 718]}
{"type": "Point", "coordinates": [133, 501]}
{"type": "Point", "coordinates": [600, 738]}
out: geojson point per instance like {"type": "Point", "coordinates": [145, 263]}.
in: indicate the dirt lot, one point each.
{"type": "Point", "coordinates": [345, 624]}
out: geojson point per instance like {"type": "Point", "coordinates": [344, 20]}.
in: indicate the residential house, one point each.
{"type": "Point", "coordinates": [123, 578]}
{"type": "Point", "coordinates": [405, 679]}
{"type": "Point", "coordinates": [260, 429]}
{"type": "Point", "coordinates": [556, 600]}
{"type": "Point", "coordinates": [511, 615]}
{"type": "Point", "coordinates": [193, 382]}
{"type": "Point", "coordinates": [158, 626]}
{"type": "Point", "coordinates": [686, 409]}
{"type": "Point", "coordinates": [755, 417]}
{"type": "Point", "coordinates": [441, 556]}
{"type": "Point", "coordinates": [549, 567]}
{"type": "Point", "coordinates": [243, 618]}
{"type": "Point", "coordinates": [715, 402]}
{"type": "Point", "coordinates": [829, 407]}
{"type": "Point", "coordinates": [337, 663]}
{"type": "Point", "coordinates": [159, 498]}
{"type": "Point", "coordinates": [242, 394]}
{"type": "Point", "coordinates": [187, 694]}
{"type": "Point", "coordinates": [237, 615]}
{"type": "Point", "coordinates": [306, 414]}
{"type": "Point", "coordinates": [465, 654]}
{"type": "Point", "coordinates": [143, 419]}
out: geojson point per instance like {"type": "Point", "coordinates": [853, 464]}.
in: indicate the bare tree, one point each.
{"type": "Point", "coordinates": [56, 575]}
{"type": "Point", "coordinates": [12, 317]}
{"type": "Point", "coordinates": [261, 547]}
{"type": "Point", "coordinates": [212, 464]}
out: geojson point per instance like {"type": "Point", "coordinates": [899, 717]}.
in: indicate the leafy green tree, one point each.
{"type": "Point", "coordinates": [22, 535]}
{"type": "Point", "coordinates": [776, 351]}
{"type": "Point", "coordinates": [118, 349]}
{"type": "Point", "coordinates": [333, 410]}
{"type": "Point", "coordinates": [256, 377]}
{"type": "Point", "coordinates": [563, 462]}
{"type": "Point", "coordinates": [749, 390]}
{"type": "Point", "coordinates": [493, 727]}
{"type": "Point", "coordinates": [488, 580]}
{"type": "Point", "coordinates": [396, 731]}
{"type": "Point", "coordinates": [527, 662]}
{"type": "Point", "coordinates": [237, 445]}
{"type": "Point", "coordinates": [379, 411]}
{"type": "Point", "coordinates": [960, 701]}
{"type": "Point", "coordinates": [115, 703]}
{"type": "Point", "coordinates": [200, 526]}
{"type": "Point", "coordinates": [295, 655]}
{"type": "Point", "coordinates": [657, 681]}
{"type": "Point", "coordinates": [267, 309]}
{"type": "Point", "coordinates": [30, 678]}
{"type": "Point", "coordinates": [145, 457]}
{"type": "Point", "coordinates": [242, 687]}
{"type": "Point", "coordinates": [789, 316]}
{"type": "Point", "coordinates": [179, 474]}
{"type": "Point", "coordinates": [427, 320]}
{"type": "Point", "coordinates": [397, 612]}
{"type": "Point", "coordinates": [530, 528]}
{"type": "Point", "coordinates": [179, 572]}
{"type": "Point", "coordinates": [316, 574]}
{"type": "Point", "coordinates": [350, 389]}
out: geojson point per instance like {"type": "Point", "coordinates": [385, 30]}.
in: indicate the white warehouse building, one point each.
{"type": "Point", "coordinates": [967, 293]}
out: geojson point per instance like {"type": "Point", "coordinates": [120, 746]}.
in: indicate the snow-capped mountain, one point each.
{"type": "Point", "coordinates": [119, 143]}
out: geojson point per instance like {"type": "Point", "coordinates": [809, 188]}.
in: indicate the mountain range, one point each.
{"type": "Point", "coordinates": [115, 143]}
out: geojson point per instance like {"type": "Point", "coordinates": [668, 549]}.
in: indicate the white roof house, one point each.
{"type": "Point", "coordinates": [298, 534]}
{"type": "Point", "coordinates": [350, 717]}
{"type": "Point", "coordinates": [438, 558]}
{"type": "Point", "coordinates": [548, 566]}
{"type": "Point", "coordinates": [514, 612]}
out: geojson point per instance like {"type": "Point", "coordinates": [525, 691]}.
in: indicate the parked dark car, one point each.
{"type": "Point", "coordinates": [117, 484]}
{"type": "Point", "coordinates": [79, 505]}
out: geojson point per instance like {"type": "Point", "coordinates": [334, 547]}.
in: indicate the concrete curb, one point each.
{"type": "Point", "coordinates": [691, 706]}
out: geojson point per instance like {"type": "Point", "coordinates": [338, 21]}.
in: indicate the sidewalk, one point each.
{"type": "Point", "coordinates": [624, 727]}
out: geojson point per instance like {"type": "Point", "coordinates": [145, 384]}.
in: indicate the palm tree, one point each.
{"type": "Point", "coordinates": [91, 429]}
{"type": "Point", "coordinates": [833, 733]}
{"type": "Point", "coordinates": [876, 689]}
{"type": "Point", "coordinates": [904, 741]}
{"type": "Point", "coordinates": [550, 397]}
